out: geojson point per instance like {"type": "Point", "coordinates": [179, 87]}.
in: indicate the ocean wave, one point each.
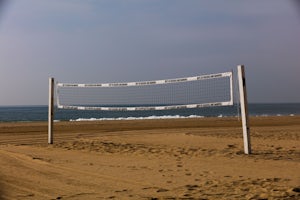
{"type": "Point", "coordinates": [139, 118]}
{"type": "Point", "coordinates": [162, 117]}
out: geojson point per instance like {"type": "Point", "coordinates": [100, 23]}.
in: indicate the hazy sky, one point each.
{"type": "Point", "coordinates": [131, 40]}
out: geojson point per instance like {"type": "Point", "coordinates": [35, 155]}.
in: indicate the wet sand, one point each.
{"type": "Point", "coordinates": [198, 158]}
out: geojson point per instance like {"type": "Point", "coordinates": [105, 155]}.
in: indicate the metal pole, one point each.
{"type": "Point", "coordinates": [231, 87]}
{"type": "Point", "coordinates": [244, 108]}
{"type": "Point", "coordinates": [50, 110]}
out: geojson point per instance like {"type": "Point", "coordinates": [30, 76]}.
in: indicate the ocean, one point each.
{"type": "Point", "coordinates": [40, 113]}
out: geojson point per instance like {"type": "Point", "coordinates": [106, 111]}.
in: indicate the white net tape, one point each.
{"type": "Point", "coordinates": [188, 92]}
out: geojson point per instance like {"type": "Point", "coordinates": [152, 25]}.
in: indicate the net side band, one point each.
{"type": "Point", "coordinates": [153, 82]}
{"type": "Point", "coordinates": [146, 107]}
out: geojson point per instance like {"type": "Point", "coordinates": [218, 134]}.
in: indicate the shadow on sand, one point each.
{"type": "Point", "coordinates": [2, 196]}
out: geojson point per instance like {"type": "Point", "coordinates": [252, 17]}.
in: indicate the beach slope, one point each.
{"type": "Point", "coordinates": [198, 158]}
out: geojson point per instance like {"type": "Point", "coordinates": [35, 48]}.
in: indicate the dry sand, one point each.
{"type": "Point", "coordinates": [151, 159]}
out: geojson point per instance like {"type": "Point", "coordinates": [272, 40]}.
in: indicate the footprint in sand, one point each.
{"type": "Point", "coordinates": [296, 189]}
{"type": "Point", "coordinates": [179, 164]}
{"type": "Point", "coordinates": [162, 190]}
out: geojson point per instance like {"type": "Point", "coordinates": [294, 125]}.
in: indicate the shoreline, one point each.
{"type": "Point", "coordinates": [39, 113]}
{"type": "Point", "coordinates": [164, 117]}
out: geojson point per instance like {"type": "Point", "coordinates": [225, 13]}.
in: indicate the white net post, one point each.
{"type": "Point", "coordinates": [50, 110]}
{"type": "Point", "coordinates": [244, 108]}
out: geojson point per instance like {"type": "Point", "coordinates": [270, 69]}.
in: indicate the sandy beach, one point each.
{"type": "Point", "coordinates": [199, 158]}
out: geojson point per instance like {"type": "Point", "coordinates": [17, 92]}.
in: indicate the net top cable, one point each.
{"type": "Point", "coordinates": [153, 82]}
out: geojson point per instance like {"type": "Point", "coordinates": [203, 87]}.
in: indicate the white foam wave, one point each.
{"type": "Point", "coordinates": [139, 118]}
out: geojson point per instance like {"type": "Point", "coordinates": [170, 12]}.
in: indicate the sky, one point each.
{"type": "Point", "coordinates": [94, 41]}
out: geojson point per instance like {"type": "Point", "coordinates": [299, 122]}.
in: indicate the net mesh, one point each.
{"type": "Point", "coordinates": [189, 92]}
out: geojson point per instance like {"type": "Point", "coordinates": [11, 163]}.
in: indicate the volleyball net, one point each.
{"type": "Point", "coordinates": [179, 93]}
{"type": "Point", "coordinates": [188, 92]}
